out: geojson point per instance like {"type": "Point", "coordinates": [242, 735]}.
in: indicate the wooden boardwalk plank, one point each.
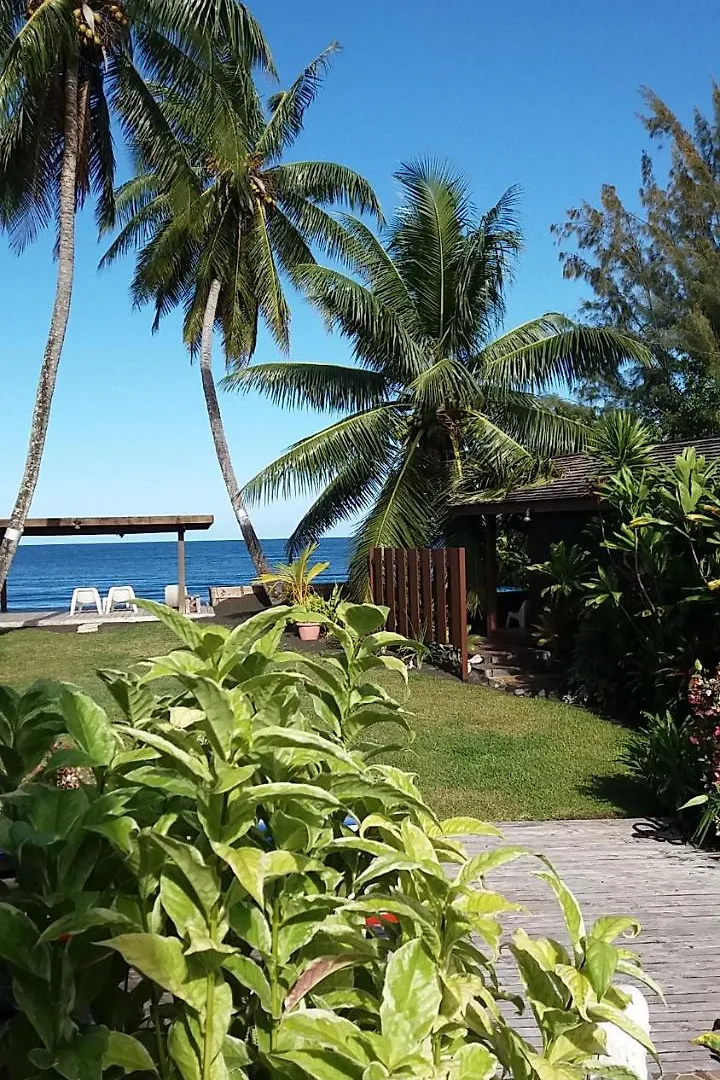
{"type": "Point", "coordinates": [628, 867]}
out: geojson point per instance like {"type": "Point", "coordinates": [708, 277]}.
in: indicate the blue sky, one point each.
{"type": "Point", "coordinates": [541, 94]}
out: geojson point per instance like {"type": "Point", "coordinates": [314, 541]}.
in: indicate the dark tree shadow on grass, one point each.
{"type": "Point", "coordinates": [623, 791]}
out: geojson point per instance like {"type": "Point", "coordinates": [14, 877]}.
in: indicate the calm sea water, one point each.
{"type": "Point", "coordinates": [43, 576]}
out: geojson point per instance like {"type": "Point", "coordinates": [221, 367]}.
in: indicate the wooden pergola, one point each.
{"type": "Point", "coordinates": [116, 526]}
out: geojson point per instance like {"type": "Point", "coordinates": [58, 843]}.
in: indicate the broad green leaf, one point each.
{"type": "Point", "coordinates": [365, 618]}
{"type": "Point", "coordinates": [394, 864]}
{"type": "Point", "coordinates": [251, 926]}
{"type": "Point", "coordinates": [34, 999]}
{"type": "Point", "coordinates": [609, 927]}
{"type": "Point", "coordinates": [270, 739]}
{"type": "Point", "coordinates": [568, 904]}
{"type": "Point", "coordinates": [604, 1012]}
{"type": "Point", "coordinates": [601, 961]}
{"type": "Point", "coordinates": [267, 793]}
{"type": "Point", "coordinates": [486, 861]}
{"type": "Point", "coordinates": [169, 780]}
{"type": "Point", "coordinates": [248, 866]}
{"type": "Point", "coordinates": [473, 1062]}
{"type": "Point", "coordinates": [201, 878]}
{"type": "Point", "coordinates": [182, 1051]}
{"type": "Point", "coordinates": [318, 1064]}
{"type": "Point", "coordinates": [219, 715]}
{"type": "Point", "coordinates": [410, 1001]}
{"type": "Point", "coordinates": [416, 843]}
{"type": "Point", "coordinates": [194, 765]}
{"type": "Point", "coordinates": [236, 1055]}
{"type": "Point", "coordinates": [161, 959]}
{"type": "Point", "coordinates": [89, 726]}
{"type": "Point", "coordinates": [626, 967]}
{"type": "Point", "coordinates": [394, 663]}
{"type": "Point", "coordinates": [483, 902]}
{"type": "Point", "coordinates": [467, 826]}
{"type": "Point", "coordinates": [250, 975]}
{"type": "Point", "coordinates": [546, 1070]}
{"type": "Point", "coordinates": [20, 942]}
{"type": "Point", "coordinates": [78, 922]}
{"type": "Point", "coordinates": [308, 1028]}
{"type": "Point", "coordinates": [181, 905]}
{"type": "Point", "coordinates": [580, 988]}
{"type": "Point", "coordinates": [711, 1041]}
{"type": "Point", "coordinates": [231, 776]}
{"type": "Point", "coordinates": [541, 985]}
{"type": "Point", "coordinates": [126, 1053]}
{"type": "Point", "coordinates": [184, 629]}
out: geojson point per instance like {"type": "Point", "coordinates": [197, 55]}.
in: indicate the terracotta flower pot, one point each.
{"type": "Point", "coordinates": [308, 631]}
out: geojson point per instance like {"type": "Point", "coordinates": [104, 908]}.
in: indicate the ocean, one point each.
{"type": "Point", "coordinates": [43, 576]}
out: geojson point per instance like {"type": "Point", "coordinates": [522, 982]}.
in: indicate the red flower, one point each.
{"type": "Point", "coordinates": [381, 919]}
{"type": "Point", "coordinates": [64, 938]}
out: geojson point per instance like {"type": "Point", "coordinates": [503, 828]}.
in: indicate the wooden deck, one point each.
{"type": "Point", "coordinates": [630, 867]}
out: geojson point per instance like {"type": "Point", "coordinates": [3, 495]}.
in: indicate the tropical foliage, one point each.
{"type": "Point", "coordinates": [219, 218]}
{"type": "Point", "coordinates": [238, 888]}
{"type": "Point", "coordinates": [653, 272]}
{"type": "Point", "coordinates": [296, 578]}
{"type": "Point", "coordinates": [65, 68]}
{"type": "Point", "coordinates": [643, 594]}
{"type": "Point", "coordinates": [436, 404]}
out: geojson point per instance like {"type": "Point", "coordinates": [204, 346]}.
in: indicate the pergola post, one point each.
{"type": "Point", "coordinates": [182, 600]}
{"type": "Point", "coordinates": [491, 572]}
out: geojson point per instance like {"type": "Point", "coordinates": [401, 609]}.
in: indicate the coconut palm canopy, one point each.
{"type": "Point", "coordinates": [234, 210]}
{"type": "Point", "coordinates": [119, 45]}
{"type": "Point", "coordinates": [436, 402]}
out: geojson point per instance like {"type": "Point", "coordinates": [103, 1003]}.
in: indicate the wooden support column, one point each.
{"type": "Point", "coordinates": [491, 572]}
{"type": "Point", "coordinates": [3, 597]}
{"type": "Point", "coordinates": [182, 601]}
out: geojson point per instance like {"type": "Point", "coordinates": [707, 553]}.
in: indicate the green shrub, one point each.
{"type": "Point", "coordinates": [663, 757]}
{"type": "Point", "coordinates": [629, 615]}
{"type": "Point", "coordinates": [240, 888]}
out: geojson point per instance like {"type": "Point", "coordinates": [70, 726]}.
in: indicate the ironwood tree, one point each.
{"type": "Point", "coordinates": [653, 266]}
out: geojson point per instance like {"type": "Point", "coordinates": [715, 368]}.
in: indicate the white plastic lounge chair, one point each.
{"type": "Point", "coordinates": [172, 592]}
{"type": "Point", "coordinates": [82, 598]}
{"type": "Point", "coordinates": [120, 594]}
{"type": "Point", "coordinates": [519, 616]}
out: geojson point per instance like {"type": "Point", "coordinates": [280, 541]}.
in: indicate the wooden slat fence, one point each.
{"type": "Point", "coordinates": [425, 592]}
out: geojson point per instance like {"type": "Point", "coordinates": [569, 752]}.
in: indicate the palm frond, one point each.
{"type": "Point", "coordinates": [322, 387]}
{"type": "Point", "coordinates": [289, 107]}
{"type": "Point", "coordinates": [350, 492]}
{"type": "Point", "coordinates": [269, 291]}
{"type": "Point", "coordinates": [404, 511]}
{"type": "Point", "coordinates": [424, 242]}
{"type": "Point", "coordinates": [553, 350]}
{"type": "Point", "coordinates": [379, 340]}
{"type": "Point", "coordinates": [445, 385]}
{"type": "Point", "coordinates": [327, 183]}
{"type": "Point", "coordinates": [315, 461]}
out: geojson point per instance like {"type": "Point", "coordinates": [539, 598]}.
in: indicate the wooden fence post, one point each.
{"type": "Point", "coordinates": [440, 596]}
{"type": "Point", "coordinates": [458, 607]}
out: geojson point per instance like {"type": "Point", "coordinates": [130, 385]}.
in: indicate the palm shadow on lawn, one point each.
{"type": "Point", "coordinates": [622, 791]}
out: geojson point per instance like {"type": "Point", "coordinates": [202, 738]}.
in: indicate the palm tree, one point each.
{"type": "Point", "coordinates": [218, 238]}
{"type": "Point", "coordinates": [436, 404]}
{"type": "Point", "coordinates": [64, 66]}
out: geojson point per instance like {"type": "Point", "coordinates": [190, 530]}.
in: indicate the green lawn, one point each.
{"type": "Point", "coordinates": [477, 751]}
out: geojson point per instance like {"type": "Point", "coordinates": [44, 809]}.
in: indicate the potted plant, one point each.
{"type": "Point", "coordinates": [295, 580]}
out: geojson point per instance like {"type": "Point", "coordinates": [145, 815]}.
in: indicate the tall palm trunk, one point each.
{"type": "Point", "coordinates": [218, 433]}
{"type": "Point", "coordinates": [58, 324]}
